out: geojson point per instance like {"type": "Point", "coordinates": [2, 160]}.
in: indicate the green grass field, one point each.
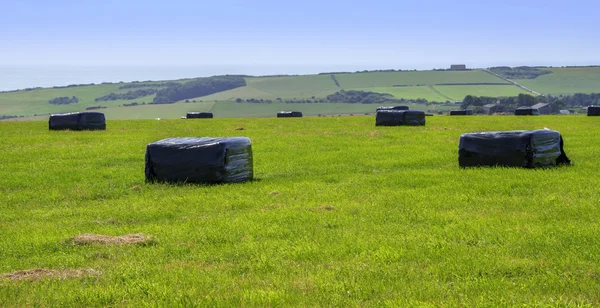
{"type": "Point", "coordinates": [459, 92]}
{"type": "Point", "coordinates": [566, 81]}
{"type": "Point", "coordinates": [389, 79]}
{"type": "Point", "coordinates": [36, 101]}
{"type": "Point", "coordinates": [342, 213]}
{"type": "Point", "coordinates": [408, 92]}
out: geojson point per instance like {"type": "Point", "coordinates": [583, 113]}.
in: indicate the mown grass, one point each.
{"type": "Point", "coordinates": [566, 81]}
{"type": "Point", "coordinates": [342, 213]}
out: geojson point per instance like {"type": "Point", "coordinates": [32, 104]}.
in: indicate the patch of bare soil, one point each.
{"type": "Point", "coordinates": [39, 273]}
{"type": "Point", "coordinates": [127, 239]}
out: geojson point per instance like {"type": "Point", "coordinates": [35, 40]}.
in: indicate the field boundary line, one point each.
{"type": "Point", "coordinates": [512, 82]}
{"type": "Point", "coordinates": [439, 93]}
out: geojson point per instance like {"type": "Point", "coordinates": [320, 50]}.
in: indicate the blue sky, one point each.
{"type": "Point", "coordinates": [398, 34]}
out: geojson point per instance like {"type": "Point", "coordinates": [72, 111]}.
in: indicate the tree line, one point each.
{"type": "Point", "coordinates": [198, 87]}
{"type": "Point", "coordinates": [64, 100]}
{"type": "Point", "coordinates": [556, 103]}
{"type": "Point", "coordinates": [519, 72]}
{"type": "Point", "coordinates": [346, 97]}
{"type": "Point", "coordinates": [126, 96]}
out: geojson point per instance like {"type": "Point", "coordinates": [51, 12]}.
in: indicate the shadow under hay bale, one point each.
{"type": "Point", "coordinates": [199, 160]}
{"type": "Point", "coordinates": [127, 239]}
{"type": "Point", "coordinates": [593, 111]}
{"type": "Point", "coordinates": [400, 118]}
{"type": "Point", "coordinates": [527, 149]}
{"type": "Point", "coordinates": [289, 114]}
{"type": "Point", "coordinates": [392, 108]}
{"type": "Point", "coordinates": [461, 112]}
{"type": "Point", "coordinates": [77, 121]}
{"type": "Point", "coordinates": [199, 115]}
{"type": "Point", "coordinates": [524, 111]}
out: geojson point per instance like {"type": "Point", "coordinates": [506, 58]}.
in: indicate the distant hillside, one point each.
{"type": "Point", "coordinates": [132, 99]}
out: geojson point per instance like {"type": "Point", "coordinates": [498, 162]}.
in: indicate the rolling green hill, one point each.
{"type": "Point", "coordinates": [439, 86]}
{"type": "Point", "coordinates": [389, 79]}
{"type": "Point", "coordinates": [566, 81]}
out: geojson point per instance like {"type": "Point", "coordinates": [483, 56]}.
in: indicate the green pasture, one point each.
{"type": "Point", "coordinates": [413, 92]}
{"type": "Point", "coordinates": [342, 213]}
{"type": "Point", "coordinates": [566, 81]}
{"type": "Point", "coordinates": [459, 92]}
{"type": "Point", "coordinates": [389, 79]}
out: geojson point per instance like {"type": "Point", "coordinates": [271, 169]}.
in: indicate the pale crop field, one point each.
{"type": "Point", "coordinates": [341, 213]}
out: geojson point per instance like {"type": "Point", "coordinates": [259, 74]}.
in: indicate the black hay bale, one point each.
{"type": "Point", "coordinates": [199, 115]}
{"type": "Point", "coordinates": [522, 111]}
{"type": "Point", "coordinates": [528, 149]}
{"type": "Point", "coordinates": [399, 117]}
{"type": "Point", "coordinates": [289, 114]}
{"type": "Point", "coordinates": [461, 112]}
{"type": "Point", "coordinates": [593, 111]}
{"type": "Point", "coordinates": [392, 108]}
{"type": "Point", "coordinates": [77, 121]}
{"type": "Point", "coordinates": [199, 160]}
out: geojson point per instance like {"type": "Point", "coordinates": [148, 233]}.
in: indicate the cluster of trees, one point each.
{"type": "Point", "coordinates": [128, 96]}
{"type": "Point", "coordinates": [360, 97]}
{"type": "Point", "coordinates": [557, 103]}
{"type": "Point", "coordinates": [512, 102]}
{"type": "Point", "coordinates": [346, 97]}
{"type": "Point", "coordinates": [134, 104]}
{"type": "Point", "coordinates": [95, 107]}
{"type": "Point", "coordinates": [6, 117]}
{"type": "Point", "coordinates": [137, 85]}
{"type": "Point", "coordinates": [335, 81]}
{"type": "Point", "coordinates": [198, 87]}
{"type": "Point", "coordinates": [520, 72]}
{"type": "Point", "coordinates": [577, 99]}
{"type": "Point", "coordinates": [64, 100]}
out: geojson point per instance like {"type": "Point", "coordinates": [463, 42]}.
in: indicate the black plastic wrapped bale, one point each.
{"type": "Point", "coordinates": [528, 149]}
{"type": "Point", "coordinates": [413, 117]}
{"type": "Point", "coordinates": [524, 111]}
{"type": "Point", "coordinates": [392, 108]}
{"type": "Point", "coordinates": [593, 111]}
{"type": "Point", "coordinates": [199, 115]}
{"type": "Point", "coordinates": [199, 160]}
{"type": "Point", "coordinates": [399, 117]}
{"type": "Point", "coordinates": [77, 121]}
{"type": "Point", "coordinates": [461, 112]}
{"type": "Point", "coordinates": [289, 114]}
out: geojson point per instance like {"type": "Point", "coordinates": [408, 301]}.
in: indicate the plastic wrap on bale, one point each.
{"type": "Point", "coordinates": [392, 108]}
{"type": "Point", "coordinates": [461, 112]}
{"type": "Point", "coordinates": [289, 114]}
{"type": "Point", "coordinates": [399, 117]}
{"type": "Point", "coordinates": [199, 115]}
{"type": "Point", "coordinates": [77, 121]}
{"type": "Point", "coordinates": [199, 160]}
{"type": "Point", "coordinates": [524, 111]}
{"type": "Point", "coordinates": [527, 149]}
{"type": "Point", "coordinates": [593, 111]}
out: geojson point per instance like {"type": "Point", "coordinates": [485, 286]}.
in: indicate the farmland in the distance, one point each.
{"type": "Point", "coordinates": [438, 86]}
{"type": "Point", "coordinates": [566, 81]}
{"type": "Point", "coordinates": [342, 213]}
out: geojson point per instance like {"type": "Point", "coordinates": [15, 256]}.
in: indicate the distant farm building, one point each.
{"type": "Point", "coordinates": [458, 67]}
{"type": "Point", "coordinates": [542, 108]}
{"type": "Point", "coordinates": [490, 109]}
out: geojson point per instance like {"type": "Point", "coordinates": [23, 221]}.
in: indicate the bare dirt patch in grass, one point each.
{"type": "Point", "coordinates": [127, 239]}
{"type": "Point", "coordinates": [40, 273]}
